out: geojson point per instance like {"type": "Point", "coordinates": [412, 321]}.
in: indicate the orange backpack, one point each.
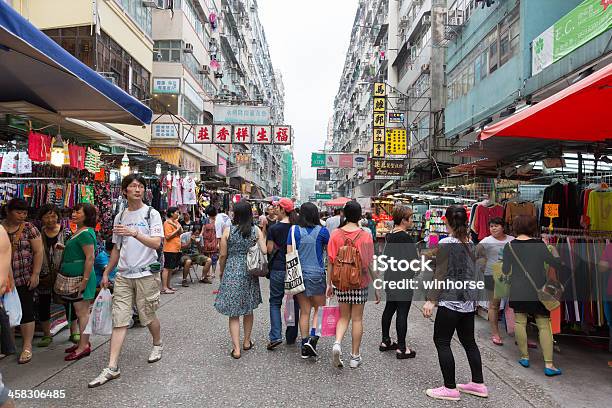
{"type": "Point", "coordinates": [346, 273]}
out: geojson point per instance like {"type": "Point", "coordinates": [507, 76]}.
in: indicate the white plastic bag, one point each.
{"type": "Point", "coordinates": [12, 306]}
{"type": "Point", "coordinates": [289, 310]}
{"type": "Point", "coordinates": [101, 317]}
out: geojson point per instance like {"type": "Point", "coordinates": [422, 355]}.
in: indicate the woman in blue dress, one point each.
{"type": "Point", "coordinates": [239, 292]}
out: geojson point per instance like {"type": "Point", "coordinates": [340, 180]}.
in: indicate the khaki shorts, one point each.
{"type": "Point", "coordinates": [196, 259]}
{"type": "Point", "coordinates": [143, 291]}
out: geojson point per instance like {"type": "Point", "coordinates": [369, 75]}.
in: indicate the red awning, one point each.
{"type": "Point", "coordinates": [580, 112]}
{"type": "Point", "coordinates": [338, 202]}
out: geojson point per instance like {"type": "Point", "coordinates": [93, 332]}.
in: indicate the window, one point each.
{"type": "Point", "coordinates": [140, 15]}
{"type": "Point", "coordinates": [191, 113]}
{"type": "Point", "coordinates": [168, 50]}
{"type": "Point", "coordinates": [78, 41]}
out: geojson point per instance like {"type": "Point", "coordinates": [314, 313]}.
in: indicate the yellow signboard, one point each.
{"type": "Point", "coordinates": [379, 89]}
{"type": "Point", "coordinates": [379, 135]}
{"type": "Point", "coordinates": [380, 104]}
{"type": "Point", "coordinates": [396, 144]}
{"type": "Point", "coordinates": [551, 210]}
{"type": "Point", "coordinates": [379, 150]}
{"type": "Point", "coordinates": [379, 119]}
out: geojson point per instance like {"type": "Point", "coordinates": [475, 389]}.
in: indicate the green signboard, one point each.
{"type": "Point", "coordinates": [323, 196]}
{"type": "Point", "coordinates": [588, 20]}
{"type": "Point", "coordinates": [317, 160]}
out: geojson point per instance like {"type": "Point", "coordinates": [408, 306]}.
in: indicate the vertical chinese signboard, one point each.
{"type": "Point", "coordinates": [379, 94]}
{"type": "Point", "coordinates": [396, 143]}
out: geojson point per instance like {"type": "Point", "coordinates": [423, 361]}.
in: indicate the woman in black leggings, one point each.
{"type": "Point", "coordinates": [400, 246]}
{"type": "Point", "coordinates": [455, 261]}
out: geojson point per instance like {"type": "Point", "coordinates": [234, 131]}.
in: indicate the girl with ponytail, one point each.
{"type": "Point", "coordinates": [455, 263]}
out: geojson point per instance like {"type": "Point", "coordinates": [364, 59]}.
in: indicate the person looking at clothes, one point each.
{"type": "Point", "coordinates": [311, 241]}
{"type": "Point", "coordinates": [210, 243]}
{"type": "Point", "coordinates": [455, 261]}
{"type": "Point", "coordinates": [525, 258]}
{"type": "Point", "coordinates": [27, 256]}
{"type": "Point", "coordinates": [191, 245]}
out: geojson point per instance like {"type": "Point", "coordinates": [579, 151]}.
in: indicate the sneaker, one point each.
{"type": "Point", "coordinates": [311, 345]}
{"type": "Point", "coordinates": [479, 390]}
{"type": "Point", "coordinates": [185, 283]}
{"type": "Point", "coordinates": [443, 393]}
{"type": "Point", "coordinates": [156, 354]}
{"type": "Point", "coordinates": [105, 376]}
{"type": "Point", "coordinates": [337, 356]}
{"type": "Point", "coordinates": [355, 361]}
{"type": "Point", "coordinates": [305, 352]}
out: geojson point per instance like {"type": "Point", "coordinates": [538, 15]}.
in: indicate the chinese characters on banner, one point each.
{"type": "Point", "coordinates": [396, 143]}
{"type": "Point", "coordinates": [241, 134]}
{"type": "Point", "coordinates": [379, 94]}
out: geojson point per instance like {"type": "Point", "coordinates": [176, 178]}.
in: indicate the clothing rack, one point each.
{"type": "Point", "coordinates": [32, 179]}
{"type": "Point", "coordinates": [576, 232]}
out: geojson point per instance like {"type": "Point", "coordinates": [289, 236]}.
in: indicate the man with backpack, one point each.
{"type": "Point", "coordinates": [211, 243]}
{"type": "Point", "coordinates": [137, 235]}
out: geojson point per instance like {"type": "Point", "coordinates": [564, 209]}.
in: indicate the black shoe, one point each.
{"type": "Point", "coordinates": [305, 352]}
{"type": "Point", "coordinates": [311, 349]}
{"type": "Point", "coordinates": [312, 343]}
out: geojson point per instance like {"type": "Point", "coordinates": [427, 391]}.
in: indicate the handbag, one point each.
{"type": "Point", "coordinates": [501, 282]}
{"type": "Point", "coordinates": [68, 286]}
{"type": "Point", "coordinates": [294, 279]}
{"type": "Point", "coordinates": [257, 261]}
{"type": "Point", "coordinates": [550, 294]}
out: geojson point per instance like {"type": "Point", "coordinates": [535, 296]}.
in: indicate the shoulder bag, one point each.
{"type": "Point", "coordinates": [257, 262]}
{"type": "Point", "coordinates": [550, 294]}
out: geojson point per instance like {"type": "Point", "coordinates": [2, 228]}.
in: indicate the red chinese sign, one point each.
{"type": "Point", "coordinates": [262, 134]}
{"type": "Point", "coordinates": [282, 135]}
{"type": "Point", "coordinates": [222, 134]}
{"type": "Point", "coordinates": [203, 134]}
{"type": "Point", "coordinates": [241, 134]}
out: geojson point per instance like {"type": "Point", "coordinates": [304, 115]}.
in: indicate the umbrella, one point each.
{"type": "Point", "coordinates": [337, 202]}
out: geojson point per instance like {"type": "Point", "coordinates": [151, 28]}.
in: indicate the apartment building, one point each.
{"type": "Point", "coordinates": [113, 37]}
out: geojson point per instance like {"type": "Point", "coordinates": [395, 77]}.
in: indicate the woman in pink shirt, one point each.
{"type": "Point", "coordinates": [351, 301]}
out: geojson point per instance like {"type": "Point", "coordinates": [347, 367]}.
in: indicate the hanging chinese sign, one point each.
{"type": "Point", "coordinates": [388, 169]}
{"type": "Point", "coordinates": [241, 134]}
{"type": "Point", "coordinates": [379, 94]}
{"type": "Point", "coordinates": [396, 143]}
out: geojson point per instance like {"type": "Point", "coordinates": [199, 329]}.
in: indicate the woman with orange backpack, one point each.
{"type": "Point", "coordinates": [350, 252]}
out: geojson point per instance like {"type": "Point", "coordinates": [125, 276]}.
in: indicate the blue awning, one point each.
{"type": "Point", "coordinates": [35, 69]}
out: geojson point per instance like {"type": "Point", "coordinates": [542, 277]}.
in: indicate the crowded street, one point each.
{"type": "Point", "coordinates": [267, 203]}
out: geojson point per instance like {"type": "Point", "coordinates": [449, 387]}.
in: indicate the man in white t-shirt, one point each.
{"type": "Point", "coordinates": [137, 234]}
{"type": "Point", "coordinates": [490, 251]}
{"type": "Point", "coordinates": [222, 222]}
{"type": "Point", "coordinates": [334, 222]}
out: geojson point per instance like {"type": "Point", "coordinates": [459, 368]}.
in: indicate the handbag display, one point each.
{"type": "Point", "coordinates": [550, 294]}
{"type": "Point", "coordinates": [257, 261]}
{"type": "Point", "coordinates": [294, 279]}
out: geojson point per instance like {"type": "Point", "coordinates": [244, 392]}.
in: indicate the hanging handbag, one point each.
{"type": "Point", "coordinates": [501, 282]}
{"type": "Point", "coordinates": [257, 262]}
{"type": "Point", "coordinates": [294, 280]}
{"type": "Point", "coordinates": [550, 294]}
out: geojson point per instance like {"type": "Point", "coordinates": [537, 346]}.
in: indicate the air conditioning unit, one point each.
{"type": "Point", "coordinates": [455, 21]}
{"type": "Point", "coordinates": [403, 21]}
{"type": "Point", "coordinates": [188, 48]}
{"type": "Point", "coordinates": [427, 19]}
{"type": "Point", "coordinates": [205, 70]}
{"type": "Point", "coordinates": [455, 17]}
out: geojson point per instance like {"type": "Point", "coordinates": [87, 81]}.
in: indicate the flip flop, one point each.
{"type": "Point", "coordinates": [167, 292]}
{"type": "Point", "coordinates": [249, 347]}
{"type": "Point", "coordinates": [234, 355]}
{"type": "Point", "coordinates": [25, 357]}
{"type": "Point", "coordinates": [387, 345]}
{"type": "Point", "coordinates": [497, 340]}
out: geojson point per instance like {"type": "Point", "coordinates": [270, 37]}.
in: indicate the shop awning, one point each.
{"type": "Point", "coordinates": [35, 69]}
{"type": "Point", "coordinates": [580, 112]}
{"type": "Point", "coordinates": [338, 202]}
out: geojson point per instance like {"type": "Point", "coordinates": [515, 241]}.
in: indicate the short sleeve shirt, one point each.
{"type": "Point", "coordinates": [74, 246]}
{"type": "Point", "coordinates": [173, 244]}
{"type": "Point", "coordinates": [362, 240]}
{"type": "Point", "coordinates": [222, 222]}
{"type": "Point", "coordinates": [277, 233]}
{"type": "Point", "coordinates": [134, 254]}
{"type": "Point", "coordinates": [23, 256]}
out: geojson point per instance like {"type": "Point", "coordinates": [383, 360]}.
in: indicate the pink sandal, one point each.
{"type": "Point", "coordinates": [497, 340]}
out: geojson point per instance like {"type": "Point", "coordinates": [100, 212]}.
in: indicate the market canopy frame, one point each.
{"type": "Point", "coordinates": [35, 69]}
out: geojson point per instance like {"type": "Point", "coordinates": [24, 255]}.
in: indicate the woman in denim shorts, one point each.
{"type": "Point", "coordinates": [311, 241]}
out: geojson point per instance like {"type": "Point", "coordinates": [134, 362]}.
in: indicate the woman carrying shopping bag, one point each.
{"type": "Point", "coordinates": [76, 282]}
{"type": "Point", "coordinates": [353, 248]}
{"type": "Point", "coordinates": [310, 239]}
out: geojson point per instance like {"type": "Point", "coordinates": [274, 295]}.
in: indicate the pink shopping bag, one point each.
{"type": "Point", "coordinates": [329, 320]}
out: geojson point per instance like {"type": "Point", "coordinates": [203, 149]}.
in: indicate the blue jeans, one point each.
{"type": "Point", "coordinates": [277, 293]}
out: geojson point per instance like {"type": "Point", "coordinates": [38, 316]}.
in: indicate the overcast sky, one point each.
{"type": "Point", "coordinates": [308, 42]}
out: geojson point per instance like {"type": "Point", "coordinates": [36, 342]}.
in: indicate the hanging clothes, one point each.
{"type": "Point", "coordinates": [189, 193]}
{"type": "Point", "coordinates": [483, 215]}
{"type": "Point", "coordinates": [566, 196]}
{"type": "Point", "coordinates": [599, 210]}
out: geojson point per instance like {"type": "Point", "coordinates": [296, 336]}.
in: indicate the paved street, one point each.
{"type": "Point", "coordinates": [197, 370]}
